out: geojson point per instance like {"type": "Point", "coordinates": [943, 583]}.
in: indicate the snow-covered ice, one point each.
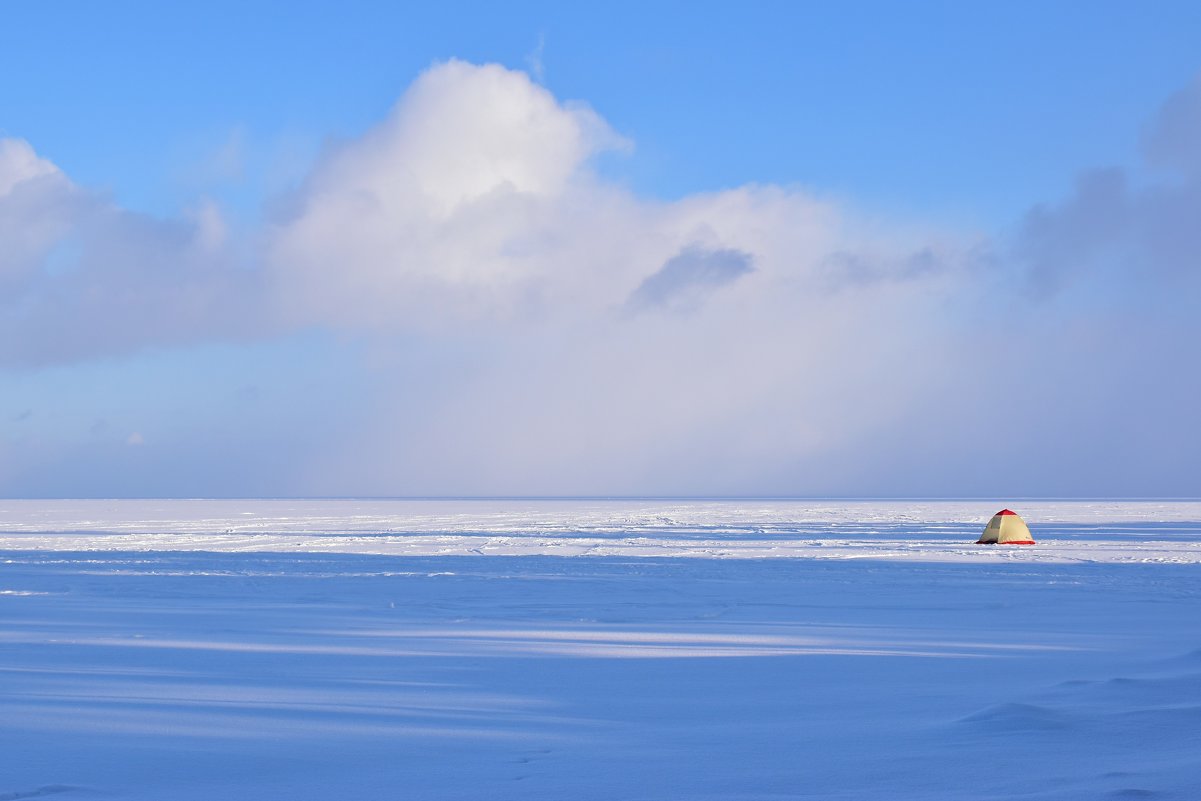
{"type": "Point", "coordinates": [598, 650]}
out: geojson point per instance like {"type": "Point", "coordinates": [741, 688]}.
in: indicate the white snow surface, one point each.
{"type": "Point", "coordinates": [923, 530]}
{"type": "Point", "coordinates": [593, 649]}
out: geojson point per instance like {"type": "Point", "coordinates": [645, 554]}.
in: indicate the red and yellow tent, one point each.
{"type": "Point", "coordinates": [1006, 528]}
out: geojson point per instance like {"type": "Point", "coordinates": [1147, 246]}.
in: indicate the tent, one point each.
{"type": "Point", "coordinates": [1006, 528]}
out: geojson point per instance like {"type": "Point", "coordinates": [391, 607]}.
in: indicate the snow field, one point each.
{"type": "Point", "coordinates": [870, 655]}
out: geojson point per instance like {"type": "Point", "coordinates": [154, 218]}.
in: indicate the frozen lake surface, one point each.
{"type": "Point", "coordinates": [597, 650]}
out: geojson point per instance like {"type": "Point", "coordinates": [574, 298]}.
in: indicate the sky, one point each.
{"type": "Point", "coordinates": [684, 249]}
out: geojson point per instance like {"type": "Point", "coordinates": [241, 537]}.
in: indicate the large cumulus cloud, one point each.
{"type": "Point", "coordinates": [592, 340]}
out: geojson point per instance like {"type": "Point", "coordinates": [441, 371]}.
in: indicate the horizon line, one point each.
{"type": "Point", "coordinates": [682, 498]}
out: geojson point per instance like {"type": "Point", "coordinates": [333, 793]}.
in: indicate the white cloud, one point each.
{"type": "Point", "coordinates": [471, 199]}
{"type": "Point", "coordinates": [81, 278]}
{"type": "Point", "coordinates": [37, 204]}
{"type": "Point", "coordinates": [19, 163]}
{"type": "Point", "coordinates": [470, 222]}
{"type": "Point", "coordinates": [475, 201]}
{"type": "Point", "coordinates": [531, 327]}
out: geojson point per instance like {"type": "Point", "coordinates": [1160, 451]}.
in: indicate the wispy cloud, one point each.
{"type": "Point", "coordinates": [533, 59]}
{"type": "Point", "coordinates": [686, 279]}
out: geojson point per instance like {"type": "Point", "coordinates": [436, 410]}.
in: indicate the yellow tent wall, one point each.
{"type": "Point", "coordinates": [1006, 528]}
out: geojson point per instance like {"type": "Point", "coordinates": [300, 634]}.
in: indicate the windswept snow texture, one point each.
{"type": "Point", "coordinates": [597, 650]}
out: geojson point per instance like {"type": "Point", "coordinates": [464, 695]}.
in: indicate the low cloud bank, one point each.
{"type": "Point", "coordinates": [531, 328]}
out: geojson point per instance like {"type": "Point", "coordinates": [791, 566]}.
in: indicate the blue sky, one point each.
{"type": "Point", "coordinates": [194, 306]}
{"type": "Point", "coordinates": [957, 107]}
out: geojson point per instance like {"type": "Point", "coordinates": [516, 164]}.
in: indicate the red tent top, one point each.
{"type": "Point", "coordinates": [1006, 512]}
